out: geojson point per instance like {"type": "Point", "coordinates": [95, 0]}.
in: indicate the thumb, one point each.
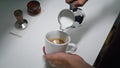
{"type": "Point", "coordinates": [49, 57]}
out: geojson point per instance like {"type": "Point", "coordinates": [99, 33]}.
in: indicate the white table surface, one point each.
{"type": "Point", "coordinates": [26, 51]}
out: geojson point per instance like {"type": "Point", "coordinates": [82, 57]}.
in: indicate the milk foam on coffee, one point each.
{"type": "Point", "coordinates": [56, 40]}
{"type": "Point", "coordinates": [66, 22]}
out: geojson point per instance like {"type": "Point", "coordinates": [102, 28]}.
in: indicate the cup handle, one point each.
{"type": "Point", "coordinates": [71, 48]}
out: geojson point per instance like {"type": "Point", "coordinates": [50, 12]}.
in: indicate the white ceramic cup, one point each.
{"type": "Point", "coordinates": [51, 47]}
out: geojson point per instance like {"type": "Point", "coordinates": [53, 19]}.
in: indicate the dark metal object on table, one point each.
{"type": "Point", "coordinates": [21, 23]}
{"type": "Point", "coordinates": [33, 7]}
{"type": "Point", "coordinates": [79, 15]}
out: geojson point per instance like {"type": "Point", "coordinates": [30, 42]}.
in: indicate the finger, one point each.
{"type": "Point", "coordinates": [69, 1]}
{"type": "Point", "coordinates": [49, 57]}
{"type": "Point", "coordinates": [52, 57]}
{"type": "Point", "coordinates": [51, 63]}
{"type": "Point", "coordinates": [44, 50]}
{"type": "Point", "coordinates": [79, 3]}
{"type": "Point", "coordinates": [51, 60]}
{"type": "Point", "coordinates": [77, 56]}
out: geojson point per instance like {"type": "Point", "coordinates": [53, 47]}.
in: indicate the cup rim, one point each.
{"type": "Point", "coordinates": [58, 44]}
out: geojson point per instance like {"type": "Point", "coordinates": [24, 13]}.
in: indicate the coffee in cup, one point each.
{"type": "Point", "coordinates": [56, 40]}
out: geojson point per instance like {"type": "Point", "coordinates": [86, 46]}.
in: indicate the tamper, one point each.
{"type": "Point", "coordinates": [21, 23]}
